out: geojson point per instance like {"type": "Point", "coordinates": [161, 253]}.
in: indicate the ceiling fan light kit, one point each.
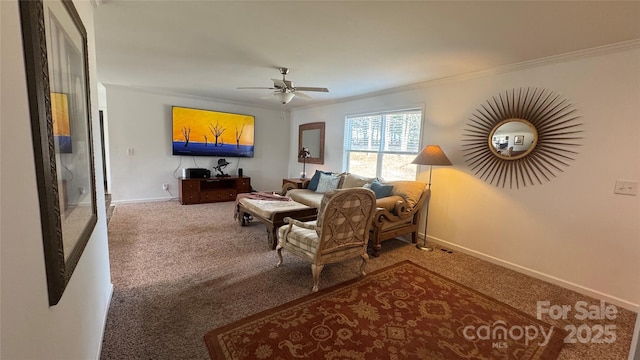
{"type": "Point", "coordinates": [284, 91]}
{"type": "Point", "coordinates": [284, 97]}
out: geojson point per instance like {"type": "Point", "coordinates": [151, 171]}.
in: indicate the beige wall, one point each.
{"type": "Point", "coordinates": [141, 120]}
{"type": "Point", "coordinates": [29, 328]}
{"type": "Point", "coordinates": [572, 230]}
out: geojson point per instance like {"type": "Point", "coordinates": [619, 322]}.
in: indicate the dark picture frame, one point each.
{"type": "Point", "coordinates": [311, 136]}
{"type": "Point", "coordinates": [56, 61]}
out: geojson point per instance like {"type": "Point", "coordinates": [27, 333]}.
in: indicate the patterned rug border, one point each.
{"type": "Point", "coordinates": [553, 347]}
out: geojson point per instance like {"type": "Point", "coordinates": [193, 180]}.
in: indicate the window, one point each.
{"type": "Point", "coordinates": [383, 144]}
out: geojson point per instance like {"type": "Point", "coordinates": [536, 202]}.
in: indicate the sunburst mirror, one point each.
{"type": "Point", "coordinates": [521, 136]}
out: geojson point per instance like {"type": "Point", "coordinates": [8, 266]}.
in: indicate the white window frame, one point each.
{"type": "Point", "coordinates": [381, 151]}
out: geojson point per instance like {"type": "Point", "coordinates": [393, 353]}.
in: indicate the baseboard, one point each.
{"type": "Point", "coordinates": [135, 201]}
{"type": "Point", "coordinates": [104, 319]}
{"type": "Point", "coordinates": [538, 275]}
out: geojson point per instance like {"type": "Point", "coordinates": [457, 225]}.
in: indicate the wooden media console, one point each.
{"type": "Point", "coordinates": [215, 189]}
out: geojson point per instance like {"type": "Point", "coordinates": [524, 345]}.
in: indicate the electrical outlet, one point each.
{"type": "Point", "coordinates": [626, 187]}
{"type": "Point", "coordinates": [165, 186]}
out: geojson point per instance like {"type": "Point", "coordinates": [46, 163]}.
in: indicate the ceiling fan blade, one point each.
{"type": "Point", "coordinates": [255, 87]}
{"type": "Point", "coordinates": [302, 95]}
{"type": "Point", "coordinates": [305, 88]}
{"type": "Point", "coordinates": [280, 84]}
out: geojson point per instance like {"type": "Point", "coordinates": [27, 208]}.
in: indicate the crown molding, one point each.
{"type": "Point", "coordinates": [176, 93]}
{"type": "Point", "coordinates": [554, 59]}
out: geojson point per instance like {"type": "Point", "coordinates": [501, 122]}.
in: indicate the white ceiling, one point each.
{"type": "Point", "coordinates": [209, 48]}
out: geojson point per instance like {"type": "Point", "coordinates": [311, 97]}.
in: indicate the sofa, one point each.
{"type": "Point", "coordinates": [398, 203]}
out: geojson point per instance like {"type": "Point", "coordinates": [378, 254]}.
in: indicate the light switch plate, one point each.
{"type": "Point", "coordinates": [626, 187]}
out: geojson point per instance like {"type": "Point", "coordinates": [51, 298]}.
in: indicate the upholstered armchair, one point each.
{"type": "Point", "coordinates": [340, 232]}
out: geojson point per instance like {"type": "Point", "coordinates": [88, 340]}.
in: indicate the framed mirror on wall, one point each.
{"type": "Point", "coordinates": [56, 60]}
{"type": "Point", "coordinates": [311, 136]}
{"type": "Point", "coordinates": [521, 137]}
{"type": "Point", "coordinates": [508, 139]}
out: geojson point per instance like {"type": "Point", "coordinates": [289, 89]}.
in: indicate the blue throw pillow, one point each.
{"type": "Point", "coordinates": [381, 190]}
{"type": "Point", "coordinates": [313, 183]}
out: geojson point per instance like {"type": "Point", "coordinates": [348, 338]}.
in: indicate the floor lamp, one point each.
{"type": "Point", "coordinates": [430, 155]}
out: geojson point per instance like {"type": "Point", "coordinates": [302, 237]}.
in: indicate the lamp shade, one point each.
{"type": "Point", "coordinates": [432, 155]}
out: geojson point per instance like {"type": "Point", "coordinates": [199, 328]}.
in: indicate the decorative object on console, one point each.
{"type": "Point", "coordinates": [523, 135]}
{"type": "Point", "coordinates": [222, 163]}
{"type": "Point", "coordinates": [304, 154]}
{"type": "Point", "coordinates": [430, 155]}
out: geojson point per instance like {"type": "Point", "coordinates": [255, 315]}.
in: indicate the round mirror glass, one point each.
{"type": "Point", "coordinates": [513, 139]}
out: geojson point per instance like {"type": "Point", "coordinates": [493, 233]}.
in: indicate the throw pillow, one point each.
{"type": "Point", "coordinates": [352, 181]}
{"type": "Point", "coordinates": [313, 183]}
{"type": "Point", "coordinates": [327, 183]}
{"type": "Point", "coordinates": [410, 191]}
{"type": "Point", "coordinates": [381, 190]}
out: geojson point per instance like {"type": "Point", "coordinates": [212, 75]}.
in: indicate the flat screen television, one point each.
{"type": "Point", "coordinates": [212, 133]}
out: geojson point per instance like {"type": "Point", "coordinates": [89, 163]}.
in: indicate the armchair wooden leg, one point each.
{"type": "Point", "coordinates": [316, 270]}
{"type": "Point", "coordinates": [279, 251]}
{"type": "Point", "coordinates": [365, 259]}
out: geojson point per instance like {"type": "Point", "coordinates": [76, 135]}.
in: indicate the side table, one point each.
{"type": "Point", "coordinates": [294, 183]}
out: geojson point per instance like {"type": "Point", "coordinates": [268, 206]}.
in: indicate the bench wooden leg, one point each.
{"type": "Point", "coordinates": [376, 248]}
{"type": "Point", "coordinates": [272, 236]}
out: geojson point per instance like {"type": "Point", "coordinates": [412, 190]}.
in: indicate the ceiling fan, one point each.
{"type": "Point", "coordinates": [284, 91]}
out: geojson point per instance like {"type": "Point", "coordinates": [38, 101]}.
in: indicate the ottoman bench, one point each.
{"type": "Point", "coordinates": [271, 209]}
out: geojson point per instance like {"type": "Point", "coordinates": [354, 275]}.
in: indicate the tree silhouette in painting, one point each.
{"type": "Point", "coordinates": [216, 131]}
{"type": "Point", "coordinates": [238, 135]}
{"type": "Point", "coordinates": [205, 140]}
{"type": "Point", "coordinates": [186, 132]}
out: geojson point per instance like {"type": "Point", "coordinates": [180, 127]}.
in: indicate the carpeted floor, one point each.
{"type": "Point", "coordinates": [181, 271]}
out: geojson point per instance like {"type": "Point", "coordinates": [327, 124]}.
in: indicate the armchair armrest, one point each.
{"type": "Point", "coordinates": [298, 223]}
{"type": "Point", "coordinates": [401, 209]}
{"type": "Point", "coordinates": [295, 222]}
{"type": "Point", "coordinates": [286, 186]}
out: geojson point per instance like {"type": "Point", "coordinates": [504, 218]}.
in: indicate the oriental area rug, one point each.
{"type": "Point", "coordinates": [399, 312]}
